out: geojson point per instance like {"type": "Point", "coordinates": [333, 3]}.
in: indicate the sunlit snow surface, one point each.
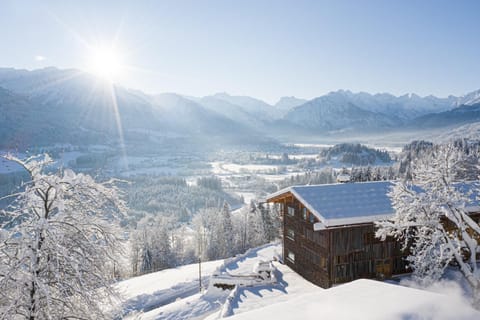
{"type": "Point", "coordinates": [173, 294]}
{"type": "Point", "coordinates": [160, 289]}
{"type": "Point", "coordinates": [366, 299]}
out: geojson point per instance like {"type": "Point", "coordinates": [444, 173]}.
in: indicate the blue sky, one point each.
{"type": "Point", "coordinates": [265, 49]}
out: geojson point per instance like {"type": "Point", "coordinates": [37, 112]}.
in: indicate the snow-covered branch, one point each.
{"type": "Point", "coordinates": [58, 246]}
{"type": "Point", "coordinates": [431, 219]}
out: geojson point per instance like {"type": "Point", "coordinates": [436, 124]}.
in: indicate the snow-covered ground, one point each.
{"type": "Point", "coordinates": [174, 294]}
{"type": "Point", "coordinates": [364, 299]}
{"type": "Point", "coordinates": [225, 168]}
{"type": "Point", "coordinates": [144, 296]}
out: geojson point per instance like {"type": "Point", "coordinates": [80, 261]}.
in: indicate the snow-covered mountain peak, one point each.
{"type": "Point", "coordinates": [253, 106]}
{"type": "Point", "coordinates": [470, 98]}
{"type": "Point", "coordinates": [287, 103]}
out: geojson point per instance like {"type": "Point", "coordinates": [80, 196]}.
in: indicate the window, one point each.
{"type": "Point", "coordinates": [291, 256]}
{"type": "Point", "coordinates": [291, 211]}
{"type": "Point", "coordinates": [304, 213]}
{"type": "Point", "coordinates": [312, 218]}
{"type": "Point", "coordinates": [290, 234]}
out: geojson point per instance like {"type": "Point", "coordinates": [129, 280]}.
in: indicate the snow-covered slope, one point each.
{"type": "Point", "coordinates": [469, 98]}
{"type": "Point", "coordinates": [231, 111]}
{"type": "Point", "coordinates": [173, 294]}
{"type": "Point", "coordinates": [51, 105]}
{"type": "Point", "coordinates": [286, 104]}
{"type": "Point", "coordinates": [333, 112]}
{"type": "Point", "coordinates": [70, 106]}
{"type": "Point", "coordinates": [255, 107]}
{"type": "Point", "coordinates": [407, 106]}
{"type": "Point", "coordinates": [149, 292]}
{"type": "Point", "coordinates": [365, 299]}
{"type": "Point", "coordinates": [190, 117]}
{"type": "Point", "coordinates": [468, 131]}
{"type": "Point", "coordinates": [455, 117]}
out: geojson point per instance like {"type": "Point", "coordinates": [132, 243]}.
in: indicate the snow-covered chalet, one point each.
{"type": "Point", "coordinates": [329, 235]}
{"type": "Point", "coordinates": [329, 232]}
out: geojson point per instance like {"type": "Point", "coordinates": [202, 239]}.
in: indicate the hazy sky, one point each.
{"type": "Point", "coordinates": [265, 49]}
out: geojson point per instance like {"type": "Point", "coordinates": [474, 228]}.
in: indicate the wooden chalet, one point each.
{"type": "Point", "coordinates": [329, 233]}
{"type": "Point", "coordinates": [329, 236]}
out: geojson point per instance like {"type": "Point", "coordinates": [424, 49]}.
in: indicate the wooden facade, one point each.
{"type": "Point", "coordinates": [335, 254]}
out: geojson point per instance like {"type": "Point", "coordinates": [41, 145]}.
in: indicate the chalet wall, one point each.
{"type": "Point", "coordinates": [336, 255]}
{"type": "Point", "coordinates": [311, 249]}
{"type": "Point", "coordinates": [358, 254]}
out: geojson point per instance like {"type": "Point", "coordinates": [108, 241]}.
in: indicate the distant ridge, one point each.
{"type": "Point", "coordinates": [65, 105]}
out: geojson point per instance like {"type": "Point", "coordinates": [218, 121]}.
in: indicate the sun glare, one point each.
{"type": "Point", "coordinates": [106, 63]}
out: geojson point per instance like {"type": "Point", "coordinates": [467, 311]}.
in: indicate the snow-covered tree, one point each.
{"type": "Point", "coordinates": [151, 245]}
{"type": "Point", "coordinates": [431, 219]}
{"type": "Point", "coordinates": [255, 229]}
{"type": "Point", "coordinates": [204, 225]}
{"type": "Point", "coordinates": [58, 245]}
{"type": "Point", "coordinates": [163, 257]}
{"type": "Point", "coordinates": [224, 232]}
{"type": "Point", "coordinates": [268, 218]}
{"type": "Point", "coordinates": [146, 262]}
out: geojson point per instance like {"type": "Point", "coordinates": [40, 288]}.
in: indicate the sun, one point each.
{"type": "Point", "coordinates": [106, 63]}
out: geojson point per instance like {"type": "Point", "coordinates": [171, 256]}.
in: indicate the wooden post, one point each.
{"type": "Point", "coordinates": [200, 273]}
{"type": "Point", "coordinates": [200, 261]}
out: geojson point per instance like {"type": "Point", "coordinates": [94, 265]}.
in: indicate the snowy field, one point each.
{"type": "Point", "coordinates": [224, 168]}
{"type": "Point", "coordinates": [174, 294]}
{"type": "Point", "coordinates": [272, 173]}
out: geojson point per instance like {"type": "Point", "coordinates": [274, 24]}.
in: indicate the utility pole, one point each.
{"type": "Point", "coordinates": [200, 273]}
{"type": "Point", "coordinates": [200, 261]}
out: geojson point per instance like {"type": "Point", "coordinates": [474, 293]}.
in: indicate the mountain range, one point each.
{"type": "Point", "coordinates": [51, 105]}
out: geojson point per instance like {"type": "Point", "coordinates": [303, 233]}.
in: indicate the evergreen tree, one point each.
{"type": "Point", "coordinates": [225, 232]}
{"type": "Point", "coordinates": [255, 231]}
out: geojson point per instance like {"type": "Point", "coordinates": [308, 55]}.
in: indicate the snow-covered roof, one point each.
{"type": "Point", "coordinates": [344, 203]}
{"type": "Point", "coordinates": [350, 203]}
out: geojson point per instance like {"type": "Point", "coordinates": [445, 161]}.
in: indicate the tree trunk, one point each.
{"type": "Point", "coordinates": [32, 301]}
{"type": "Point", "coordinates": [476, 296]}
{"type": "Point", "coordinates": [36, 274]}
